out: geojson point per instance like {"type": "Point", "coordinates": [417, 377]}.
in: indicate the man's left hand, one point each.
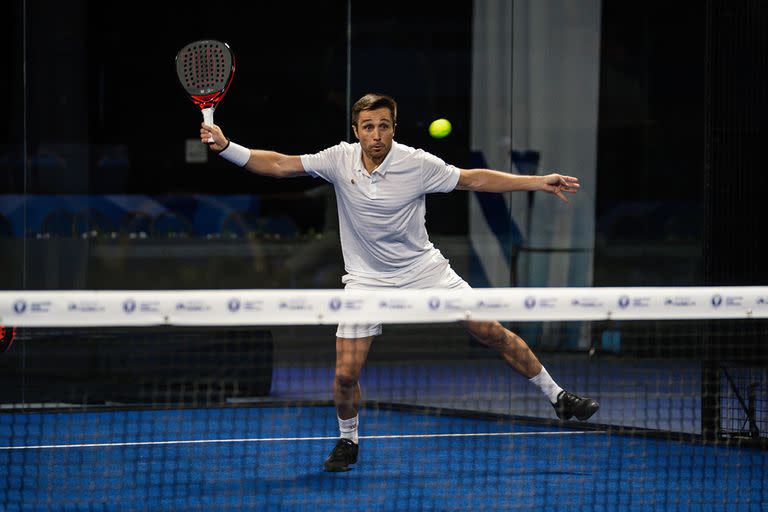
{"type": "Point", "coordinates": [557, 184]}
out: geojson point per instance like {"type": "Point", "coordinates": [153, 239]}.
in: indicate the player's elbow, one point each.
{"type": "Point", "coordinates": [470, 179]}
{"type": "Point", "coordinates": [291, 167]}
{"type": "Point", "coordinates": [270, 171]}
{"type": "Point", "coordinates": [288, 171]}
{"type": "Point", "coordinates": [280, 173]}
{"type": "Point", "coordinates": [277, 166]}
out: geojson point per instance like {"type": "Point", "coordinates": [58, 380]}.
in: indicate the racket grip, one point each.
{"type": "Point", "coordinates": [208, 119]}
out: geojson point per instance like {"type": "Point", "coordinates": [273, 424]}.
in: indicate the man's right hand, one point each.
{"type": "Point", "coordinates": [211, 130]}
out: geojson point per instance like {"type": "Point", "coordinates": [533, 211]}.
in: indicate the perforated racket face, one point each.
{"type": "Point", "coordinates": [205, 69]}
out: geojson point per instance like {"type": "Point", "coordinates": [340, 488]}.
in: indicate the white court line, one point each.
{"type": "Point", "coordinates": [273, 439]}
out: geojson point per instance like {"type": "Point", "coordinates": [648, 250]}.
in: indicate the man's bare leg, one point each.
{"type": "Point", "coordinates": [509, 345]}
{"type": "Point", "coordinates": [519, 356]}
{"type": "Point", "coordinates": [350, 359]}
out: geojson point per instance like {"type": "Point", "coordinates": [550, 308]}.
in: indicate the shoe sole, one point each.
{"type": "Point", "coordinates": [336, 469]}
{"type": "Point", "coordinates": [589, 413]}
{"type": "Point", "coordinates": [585, 415]}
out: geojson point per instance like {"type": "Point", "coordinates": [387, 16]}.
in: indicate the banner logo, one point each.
{"type": "Point", "coordinates": [394, 304]}
{"type": "Point", "coordinates": [586, 302]}
{"type": "Point", "coordinates": [295, 305]}
{"type": "Point", "coordinates": [482, 304]}
{"type": "Point", "coordinates": [193, 305]}
{"type": "Point", "coordinates": [679, 302]}
{"type": "Point", "coordinates": [85, 307]}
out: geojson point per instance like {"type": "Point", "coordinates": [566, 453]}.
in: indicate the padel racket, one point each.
{"type": "Point", "coordinates": [7, 335]}
{"type": "Point", "coordinates": [205, 70]}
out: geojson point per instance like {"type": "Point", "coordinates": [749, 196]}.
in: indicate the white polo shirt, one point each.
{"type": "Point", "coordinates": [382, 219]}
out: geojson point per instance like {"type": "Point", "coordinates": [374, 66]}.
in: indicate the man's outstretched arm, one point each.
{"type": "Point", "coordinates": [267, 163]}
{"type": "Point", "coordinates": [486, 180]}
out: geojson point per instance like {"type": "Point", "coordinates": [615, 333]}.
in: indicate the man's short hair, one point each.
{"type": "Point", "coordinates": [373, 101]}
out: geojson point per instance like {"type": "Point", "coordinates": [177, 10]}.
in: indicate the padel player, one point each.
{"type": "Point", "coordinates": [380, 189]}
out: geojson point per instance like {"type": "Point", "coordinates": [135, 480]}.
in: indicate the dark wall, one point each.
{"type": "Point", "coordinates": [650, 174]}
{"type": "Point", "coordinates": [12, 90]}
{"type": "Point", "coordinates": [735, 142]}
{"type": "Point", "coordinates": [423, 59]}
{"type": "Point", "coordinates": [291, 70]}
{"type": "Point", "coordinates": [682, 132]}
{"type": "Point", "coordinates": [106, 114]}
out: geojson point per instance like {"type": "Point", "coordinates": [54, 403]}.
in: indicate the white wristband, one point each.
{"type": "Point", "coordinates": [236, 154]}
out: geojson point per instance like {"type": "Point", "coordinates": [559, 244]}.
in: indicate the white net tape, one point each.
{"type": "Point", "coordinates": [312, 307]}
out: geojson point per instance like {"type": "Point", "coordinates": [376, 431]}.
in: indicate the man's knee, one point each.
{"type": "Point", "coordinates": [490, 333]}
{"type": "Point", "coordinates": [345, 379]}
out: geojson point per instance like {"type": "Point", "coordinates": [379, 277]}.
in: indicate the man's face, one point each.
{"type": "Point", "coordinates": [375, 131]}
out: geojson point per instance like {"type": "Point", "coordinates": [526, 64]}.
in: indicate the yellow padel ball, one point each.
{"type": "Point", "coordinates": [440, 128]}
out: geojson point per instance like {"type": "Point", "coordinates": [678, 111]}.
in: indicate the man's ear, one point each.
{"type": "Point", "coordinates": [354, 129]}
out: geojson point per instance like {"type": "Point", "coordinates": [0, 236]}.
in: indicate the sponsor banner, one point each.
{"type": "Point", "coordinates": [540, 304]}
{"type": "Point", "coordinates": [492, 304]}
{"type": "Point", "coordinates": [396, 306]}
{"type": "Point", "coordinates": [632, 303]}
{"type": "Point", "coordinates": [308, 307]}
{"type": "Point", "coordinates": [245, 307]}
{"type": "Point", "coordinates": [80, 308]}
{"type": "Point", "coordinates": [556, 304]}
{"type": "Point", "coordinates": [196, 307]}
{"type": "Point", "coordinates": [418, 306]}
{"type": "Point", "coordinates": [285, 307]}
{"type": "Point", "coordinates": [351, 306]}
{"type": "Point", "coordinates": [690, 303]}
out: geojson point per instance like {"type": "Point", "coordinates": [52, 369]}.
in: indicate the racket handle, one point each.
{"type": "Point", "coordinates": [208, 119]}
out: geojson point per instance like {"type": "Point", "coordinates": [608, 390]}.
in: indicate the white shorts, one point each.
{"type": "Point", "coordinates": [438, 274]}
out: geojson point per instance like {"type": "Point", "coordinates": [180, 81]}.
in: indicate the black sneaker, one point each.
{"type": "Point", "coordinates": [569, 405]}
{"type": "Point", "coordinates": [343, 454]}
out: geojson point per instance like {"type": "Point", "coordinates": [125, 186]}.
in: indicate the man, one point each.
{"type": "Point", "coordinates": [380, 189]}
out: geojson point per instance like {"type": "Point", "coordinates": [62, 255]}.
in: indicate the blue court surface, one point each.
{"type": "Point", "coordinates": [270, 458]}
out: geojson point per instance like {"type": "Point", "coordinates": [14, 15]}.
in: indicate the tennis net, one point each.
{"type": "Point", "coordinates": [201, 400]}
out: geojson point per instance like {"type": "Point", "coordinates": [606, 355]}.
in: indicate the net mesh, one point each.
{"type": "Point", "coordinates": [232, 417]}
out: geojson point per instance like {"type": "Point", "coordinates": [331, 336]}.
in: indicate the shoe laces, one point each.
{"type": "Point", "coordinates": [569, 399]}
{"type": "Point", "coordinates": [342, 448]}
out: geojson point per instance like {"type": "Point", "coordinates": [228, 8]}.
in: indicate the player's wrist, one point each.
{"type": "Point", "coordinates": [235, 153]}
{"type": "Point", "coordinates": [224, 148]}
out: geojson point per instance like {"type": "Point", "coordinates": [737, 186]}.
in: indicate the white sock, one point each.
{"type": "Point", "coordinates": [547, 385]}
{"type": "Point", "coordinates": [348, 429]}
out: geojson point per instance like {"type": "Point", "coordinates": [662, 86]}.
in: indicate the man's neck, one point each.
{"type": "Point", "coordinates": [369, 164]}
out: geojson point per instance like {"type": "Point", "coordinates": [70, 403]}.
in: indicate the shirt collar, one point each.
{"type": "Point", "coordinates": [382, 168]}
